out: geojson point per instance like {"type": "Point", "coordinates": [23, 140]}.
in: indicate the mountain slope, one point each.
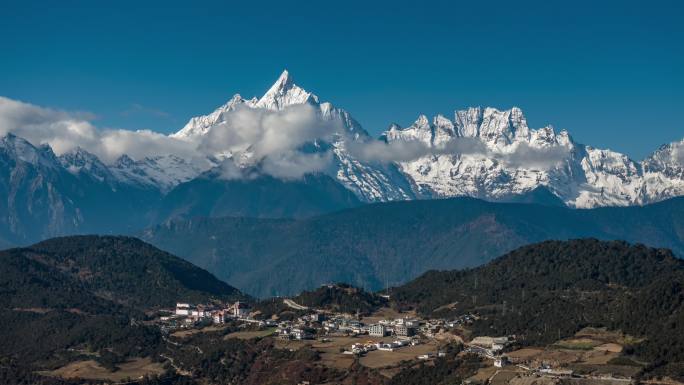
{"type": "Point", "coordinates": [264, 196]}
{"type": "Point", "coordinates": [45, 195]}
{"type": "Point", "coordinates": [119, 269]}
{"type": "Point", "coordinates": [75, 193]}
{"type": "Point", "coordinates": [87, 294]}
{"type": "Point", "coordinates": [551, 290]}
{"type": "Point", "coordinates": [380, 244]}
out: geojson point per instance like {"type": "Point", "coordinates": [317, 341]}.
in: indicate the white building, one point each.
{"type": "Point", "coordinates": [377, 330]}
{"type": "Point", "coordinates": [183, 309]}
{"type": "Point", "coordinates": [240, 309]}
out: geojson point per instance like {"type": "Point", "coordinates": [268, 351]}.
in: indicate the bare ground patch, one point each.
{"type": "Point", "coordinates": [91, 370]}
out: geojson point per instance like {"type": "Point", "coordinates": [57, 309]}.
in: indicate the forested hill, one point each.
{"type": "Point", "coordinates": [121, 269]}
{"type": "Point", "coordinates": [553, 289]}
{"type": "Point", "coordinates": [86, 293]}
{"type": "Point", "coordinates": [134, 272]}
{"type": "Point", "coordinates": [339, 297]}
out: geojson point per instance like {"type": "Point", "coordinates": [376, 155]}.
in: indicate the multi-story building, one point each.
{"type": "Point", "coordinates": [377, 330]}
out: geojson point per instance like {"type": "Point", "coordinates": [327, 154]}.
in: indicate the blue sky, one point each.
{"type": "Point", "coordinates": [612, 73]}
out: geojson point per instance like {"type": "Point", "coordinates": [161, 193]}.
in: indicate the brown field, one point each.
{"type": "Point", "coordinates": [533, 380]}
{"type": "Point", "coordinates": [604, 335]}
{"type": "Point", "coordinates": [525, 353]}
{"type": "Point", "coordinates": [333, 358]}
{"type": "Point", "coordinates": [504, 375]}
{"type": "Point", "coordinates": [588, 347]}
{"type": "Point", "coordinates": [330, 351]}
{"type": "Point", "coordinates": [582, 343]}
{"type": "Point", "coordinates": [333, 346]}
{"type": "Point", "coordinates": [188, 332]}
{"type": "Point", "coordinates": [247, 335]}
{"type": "Point", "coordinates": [614, 370]}
{"type": "Point", "coordinates": [380, 359]}
{"type": "Point", "coordinates": [337, 360]}
{"type": "Point", "coordinates": [448, 306]}
{"type": "Point", "coordinates": [91, 370]}
{"type": "Point", "coordinates": [484, 374]}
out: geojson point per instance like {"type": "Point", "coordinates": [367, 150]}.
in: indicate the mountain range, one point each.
{"type": "Point", "coordinates": [383, 244]}
{"type": "Point", "coordinates": [289, 154]}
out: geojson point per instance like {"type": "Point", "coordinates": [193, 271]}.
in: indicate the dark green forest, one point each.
{"type": "Point", "coordinates": [551, 290]}
{"type": "Point", "coordinates": [90, 294]}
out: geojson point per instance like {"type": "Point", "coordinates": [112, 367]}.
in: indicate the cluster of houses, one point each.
{"type": "Point", "coordinates": [211, 313]}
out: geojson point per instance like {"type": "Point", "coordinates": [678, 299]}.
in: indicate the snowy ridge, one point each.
{"type": "Point", "coordinates": [162, 172]}
{"type": "Point", "coordinates": [509, 165]}
{"type": "Point", "coordinates": [485, 153]}
{"type": "Point", "coordinates": [369, 182]}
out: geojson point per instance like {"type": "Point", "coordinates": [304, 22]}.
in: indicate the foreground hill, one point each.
{"type": "Point", "coordinates": [125, 270]}
{"type": "Point", "coordinates": [551, 290]}
{"type": "Point", "coordinates": [339, 297]}
{"type": "Point", "coordinates": [390, 243]}
{"type": "Point", "coordinates": [80, 302]}
{"type": "Point", "coordinates": [81, 292]}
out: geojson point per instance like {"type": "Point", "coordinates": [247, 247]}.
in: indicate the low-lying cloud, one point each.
{"type": "Point", "coordinates": [285, 144]}
{"type": "Point", "coordinates": [519, 155]}
{"type": "Point", "coordinates": [65, 131]}
{"type": "Point", "coordinates": [247, 139]}
{"type": "Point", "coordinates": [542, 158]}
{"type": "Point", "coordinates": [678, 152]}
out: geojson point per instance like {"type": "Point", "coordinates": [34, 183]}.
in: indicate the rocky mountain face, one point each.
{"type": "Point", "coordinates": [498, 157]}
{"type": "Point", "coordinates": [46, 195]}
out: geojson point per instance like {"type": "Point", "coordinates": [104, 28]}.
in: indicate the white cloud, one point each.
{"type": "Point", "coordinates": [65, 131]}
{"type": "Point", "coordinates": [265, 132]}
{"type": "Point", "coordinates": [294, 165]}
{"type": "Point", "coordinates": [526, 156]}
{"type": "Point", "coordinates": [678, 152]}
{"type": "Point", "coordinates": [253, 139]}
{"type": "Point", "coordinates": [520, 155]}
{"type": "Point", "coordinates": [408, 150]}
{"type": "Point", "coordinates": [271, 140]}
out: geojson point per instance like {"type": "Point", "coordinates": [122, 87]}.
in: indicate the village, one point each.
{"type": "Point", "coordinates": [386, 339]}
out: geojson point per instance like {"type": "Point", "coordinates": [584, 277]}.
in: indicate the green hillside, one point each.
{"type": "Point", "coordinates": [551, 290]}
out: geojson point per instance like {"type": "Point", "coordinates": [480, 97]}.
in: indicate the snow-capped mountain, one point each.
{"type": "Point", "coordinates": [370, 182]}
{"type": "Point", "coordinates": [508, 159]}
{"type": "Point", "coordinates": [480, 152]}
{"type": "Point", "coordinates": [161, 172]}
{"type": "Point", "coordinates": [45, 195]}
{"type": "Point", "coordinates": [485, 153]}
{"type": "Point", "coordinates": [155, 173]}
